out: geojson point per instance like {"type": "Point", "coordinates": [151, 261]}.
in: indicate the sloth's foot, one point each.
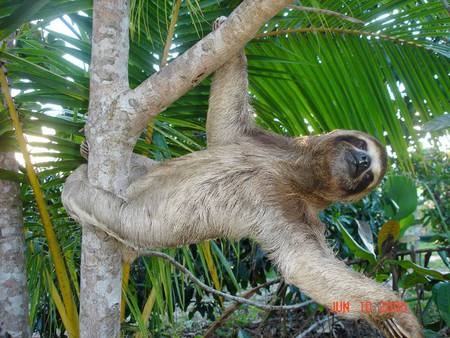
{"type": "Point", "coordinates": [240, 57]}
{"type": "Point", "coordinates": [218, 22]}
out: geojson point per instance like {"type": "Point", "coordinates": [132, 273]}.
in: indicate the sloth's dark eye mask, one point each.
{"type": "Point", "coordinates": [353, 140]}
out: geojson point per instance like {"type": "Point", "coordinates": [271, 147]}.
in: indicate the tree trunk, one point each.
{"type": "Point", "coordinates": [101, 259]}
{"type": "Point", "coordinates": [13, 281]}
{"type": "Point", "coordinates": [118, 115]}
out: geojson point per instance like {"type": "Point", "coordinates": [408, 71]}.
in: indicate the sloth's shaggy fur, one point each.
{"type": "Point", "coordinates": [251, 183]}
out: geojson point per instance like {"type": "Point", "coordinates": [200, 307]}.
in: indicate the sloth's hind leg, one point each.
{"type": "Point", "coordinates": [230, 114]}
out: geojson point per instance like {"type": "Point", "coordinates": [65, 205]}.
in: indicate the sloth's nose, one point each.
{"type": "Point", "coordinates": [362, 162]}
{"type": "Point", "coordinates": [358, 162]}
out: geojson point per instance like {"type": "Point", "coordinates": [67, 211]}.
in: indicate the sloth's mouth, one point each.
{"type": "Point", "coordinates": [358, 162]}
{"type": "Point", "coordinates": [365, 181]}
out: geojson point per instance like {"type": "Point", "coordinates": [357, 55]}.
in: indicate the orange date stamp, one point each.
{"type": "Point", "coordinates": [371, 307]}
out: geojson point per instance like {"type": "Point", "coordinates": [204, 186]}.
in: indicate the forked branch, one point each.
{"type": "Point", "coordinates": [186, 71]}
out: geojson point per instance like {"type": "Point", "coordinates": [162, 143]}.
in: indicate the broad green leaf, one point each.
{"type": "Point", "coordinates": [399, 196]}
{"type": "Point", "coordinates": [444, 257]}
{"type": "Point", "coordinates": [365, 233]}
{"type": "Point", "coordinates": [405, 223]}
{"type": "Point", "coordinates": [411, 279]}
{"type": "Point", "coordinates": [420, 269]}
{"type": "Point", "coordinates": [357, 249]}
{"type": "Point", "coordinates": [441, 296]}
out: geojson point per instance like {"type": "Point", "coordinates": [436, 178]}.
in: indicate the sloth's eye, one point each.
{"type": "Point", "coordinates": [361, 144]}
{"type": "Point", "coordinates": [354, 141]}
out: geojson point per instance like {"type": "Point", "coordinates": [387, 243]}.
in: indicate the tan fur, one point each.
{"type": "Point", "coordinates": [248, 183]}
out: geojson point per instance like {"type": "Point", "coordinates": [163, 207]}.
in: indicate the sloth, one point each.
{"type": "Point", "coordinates": [254, 184]}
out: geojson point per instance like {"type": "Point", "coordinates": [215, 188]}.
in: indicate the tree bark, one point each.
{"type": "Point", "coordinates": [118, 115]}
{"type": "Point", "coordinates": [13, 281]}
{"type": "Point", "coordinates": [101, 259]}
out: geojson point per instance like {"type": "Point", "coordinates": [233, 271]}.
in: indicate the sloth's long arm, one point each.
{"type": "Point", "coordinates": [307, 262]}
{"type": "Point", "coordinates": [230, 114]}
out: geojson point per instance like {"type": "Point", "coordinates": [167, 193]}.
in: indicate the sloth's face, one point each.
{"type": "Point", "coordinates": [357, 163]}
{"type": "Point", "coordinates": [343, 165]}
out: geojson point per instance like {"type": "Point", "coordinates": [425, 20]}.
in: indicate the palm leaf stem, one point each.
{"type": "Point", "coordinates": [341, 31]}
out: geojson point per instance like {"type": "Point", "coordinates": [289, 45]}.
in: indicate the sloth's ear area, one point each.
{"type": "Point", "coordinates": [378, 152]}
{"type": "Point", "coordinates": [309, 143]}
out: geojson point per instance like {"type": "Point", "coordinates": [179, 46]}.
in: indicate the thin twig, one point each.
{"type": "Point", "coordinates": [313, 327]}
{"type": "Point", "coordinates": [225, 295]}
{"type": "Point", "coordinates": [326, 12]}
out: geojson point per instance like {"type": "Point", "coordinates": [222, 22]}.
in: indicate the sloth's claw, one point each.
{"type": "Point", "coordinates": [394, 329]}
{"type": "Point", "coordinates": [219, 21]}
{"type": "Point", "coordinates": [84, 149]}
{"type": "Point", "coordinates": [400, 329]}
{"type": "Point", "coordinates": [387, 326]}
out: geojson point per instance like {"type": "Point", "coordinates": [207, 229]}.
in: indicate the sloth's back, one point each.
{"type": "Point", "coordinates": [215, 188]}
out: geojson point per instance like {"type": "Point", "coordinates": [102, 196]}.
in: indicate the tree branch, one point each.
{"type": "Point", "coordinates": [186, 71]}
{"type": "Point", "coordinates": [225, 295]}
